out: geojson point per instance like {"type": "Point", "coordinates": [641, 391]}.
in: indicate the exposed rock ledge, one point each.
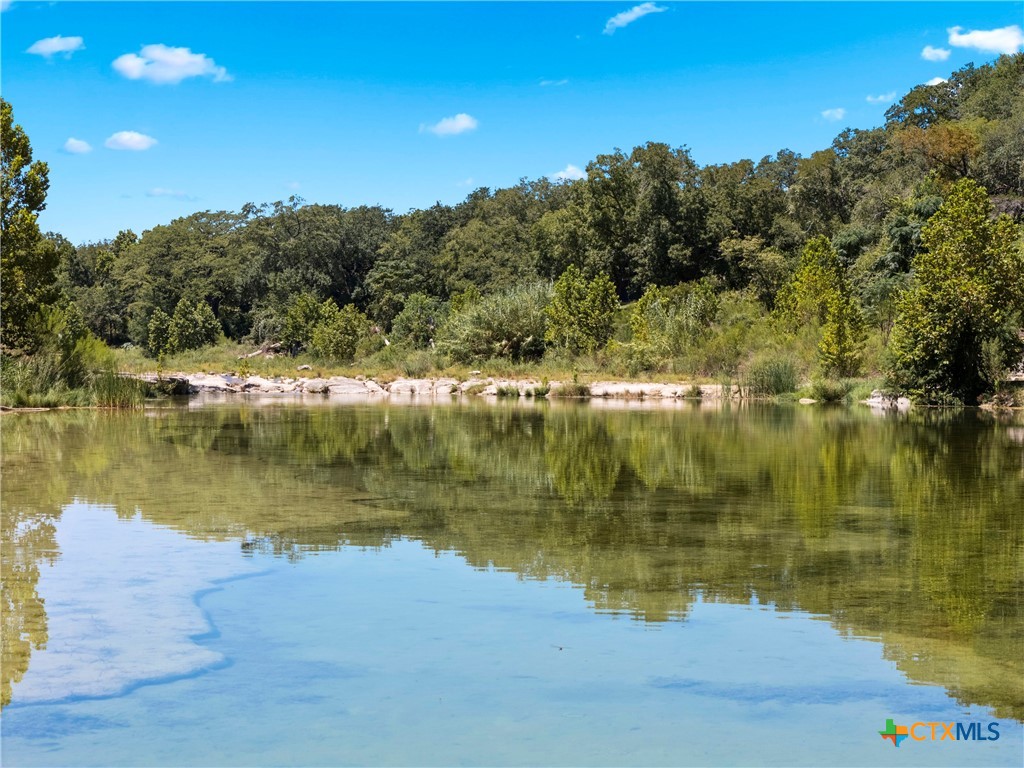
{"type": "Point", "coordinates": [343, 385]}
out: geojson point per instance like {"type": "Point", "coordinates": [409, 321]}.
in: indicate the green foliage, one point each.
{"type": "Point", "coordinates": [581, 313]}
{"type": "Point", "coordinates": [820, 294]}
{"type": "Point", "coordinates": [28, 261]}
{"type": "Point", "coordinates": [507, 391]}
{"type": "Point", "coordinates": [770, 375]}
{"type": "Point", "coordinates": [304, 313]}
{"type": "Point", "coordinates": [418, 364]}
{"type": "Point", "coordinates": [831, 390]}
{"type": "Point", "coordinates": [572, 389]}
{"type": "Point", "coordinates": [158, 338]}
{"type": "Point", "coordinates": [339, 332]}
{"type": "Point", "coordinates": [969, 290]}
{"type": "Point", "coordinates": [510, 325]}
{"type": "Point", "coordinates": [192, 326]}
{"type": "Point", "coordinates": [417, 323]}
{"type": "Point", "coordinates": [665, 322]}
{"type": "Point", "coordinates": [840, 351]}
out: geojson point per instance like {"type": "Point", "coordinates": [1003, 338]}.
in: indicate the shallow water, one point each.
{"type": "Point", "coordinates": [229, 584]}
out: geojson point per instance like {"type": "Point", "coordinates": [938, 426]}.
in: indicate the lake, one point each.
{"type": "Point", "coordinates": [473, 583]}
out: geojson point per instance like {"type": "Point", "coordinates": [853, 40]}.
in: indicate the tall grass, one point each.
{"type": "Point", "coordinates": [770, 375]}
{"type": "Point", "coordinates": [109, 389]}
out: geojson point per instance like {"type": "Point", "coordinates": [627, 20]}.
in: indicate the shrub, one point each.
{"type": "Point", "coordinates": [417, 323]}
{"type": "Point", "coordinates": [339, 332]}
{"type": "Point", "coordinates": [303, 315]}
{"type": "Point", "coordinates": [508, 390]}
{"type": "Point", "coordinates": [111, 390]}
{"type": "Point", "coordinates": [506, 325]}
{"type": "Point", "coordinates": [418, 364]}
{"type": "Point", "coordinates": [571, 389]}
{"type": "Point", "coordinates": [831, 390]}
{"type": "Point", "coordinates": [769, 375]}
{"type": "Point", "coordinates": [192, 326]}
{"type": "Point", "coordinates": [581, 313]}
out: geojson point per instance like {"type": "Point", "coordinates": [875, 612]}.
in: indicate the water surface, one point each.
{"type": "Point", "coordinates": [509, 584]}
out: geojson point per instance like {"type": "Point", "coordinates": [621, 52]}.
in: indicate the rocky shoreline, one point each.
{"type": "Point", "coordinates": [345, 386]}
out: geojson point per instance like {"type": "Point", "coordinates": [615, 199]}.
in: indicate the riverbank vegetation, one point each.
{"type": "Point", "coordinates": [894, 255]}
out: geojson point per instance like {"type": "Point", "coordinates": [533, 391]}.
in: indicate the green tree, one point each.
{"type": "Point", "coordinates": [969, 290]}
{"type": "Point", "coordinates": [509, 324]}
{"type": "Point", "coordinates": [304, 313]}
{"type": "Point", "coordinates": [193, 325]}
{"type": "Point", "coordinates": [159, 333]}
{"type": "Point", "coordinates": [419, 320]}
{"type": "Point", "coordinates": [581, 313]}
{"type": "Point", "coordinates": [28, 261]}
{"type": "Point", "coordinates": [339, 332]}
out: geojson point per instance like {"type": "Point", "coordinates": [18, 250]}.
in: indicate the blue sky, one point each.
{"type": "Point", "coordinates": [403, 104]}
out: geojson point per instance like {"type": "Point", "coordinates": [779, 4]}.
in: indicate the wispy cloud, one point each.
{"type": "Point", "coordinates": [936, 81]}
{"type": "Point", "coordinates": [1006, 40]}
{"type": "Point", "coordinates": [569, 173]}
{"type": "Point", "coordinates": [131, 141]}
{"type": "Point", "coordinates": [546, 83]}
{"type": "Point", "coordinates": [451, 126]}
{"type": "Point", "coordinates": [4, 5]}
{"type": "Point", "coordinates": [882, 98]}
{"type": "Point", "coordinates": [834, 114]}
{"type": "Point", "coordinates": [163, 192]}
{"type": "Point", "coordinates": [75, 146]}
{"type": "Point", "coordinates": [467, 182]}
{"type": "Point", "coordinates": [164, 65]}
{"type": "Point", "coordinates": [293, 185]}
{"type": "Point", "coordinates": [49, 46]}
{"type": "Point", "coordinates": [929, 53]}
{"type": "Point", "coordinates": [624, 19]}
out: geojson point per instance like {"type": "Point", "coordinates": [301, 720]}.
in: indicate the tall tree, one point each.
{"type": "Point", "coordinates": [969, 294]}
{"type": "Point", "coordinates": [28, 261]}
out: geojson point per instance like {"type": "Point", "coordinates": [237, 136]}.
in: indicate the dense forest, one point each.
{"type": "Point", "coordinates": [895, 252]}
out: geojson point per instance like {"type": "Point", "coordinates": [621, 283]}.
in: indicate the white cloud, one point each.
{"type": "Point", "coordinates": [48, 46]}
{"type": "Point", "coordinates": [130, 140]}
{"type": "Point", "coordinates": [75, 146]}
{"type": "Point", "coordinates": [570, 173]}
{"type": "Point", "coordinates": [928, 53]}
{"type": "Point", "coordinates": [620, 20]}
{"type": "Point", "coordinates": [4, 5]}
{"type": "Point", "coordinates": [882, 98]}
{"type": "Point", "coordinates": [465, 182]}
{"type": "Point", "coordinates": [1003, 40]}
{"type": "Point", "coordinates": [165, 65]}
{"type": "Point", "coordinates": [162, 192]}
{"type": "Point", "coordinates": [546, 83]}
{"type": "Point", "coordinates": [293, 185]}
{"type": "Point", "coordinates": [452, 126]}
{"type": "Point", "coordinates": [936, 81]}
{"type": "Point", "coordinates": [834, 114]}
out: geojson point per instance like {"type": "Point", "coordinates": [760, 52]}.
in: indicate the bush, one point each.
{"type": "Point", "coordinates": [339, 332]}
{"type": "Point", "coordinates": [506, 325]}
{"type": "Point", "coordinates": [417, 323]}
{"type": "Point", "coordinates": [571, 389]}
{"type": "Point", "coordinates": [192, 326]}
{"type": "Point", "coordinates": [770, 375]}
{"type": "Point", "coordinates": [831, 390]}
{"type": "Point", "coordinates": [581, 314]}
{"type": "Point", "coordinates": [111, 390]}
{"type": "Point", "coordinates": [508, 390]}
{"type": "Point", "coordinates": [418, 364]}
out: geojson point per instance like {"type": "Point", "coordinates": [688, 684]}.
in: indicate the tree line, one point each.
{"type": "Point", "coordinates": [896, 248]}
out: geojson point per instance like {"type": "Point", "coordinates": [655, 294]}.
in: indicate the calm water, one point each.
{"type": "Point", "coordinates": [230, 584]}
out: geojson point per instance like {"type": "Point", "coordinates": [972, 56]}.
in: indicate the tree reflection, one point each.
{"type": "Point", "coordinates": [909, 529]}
